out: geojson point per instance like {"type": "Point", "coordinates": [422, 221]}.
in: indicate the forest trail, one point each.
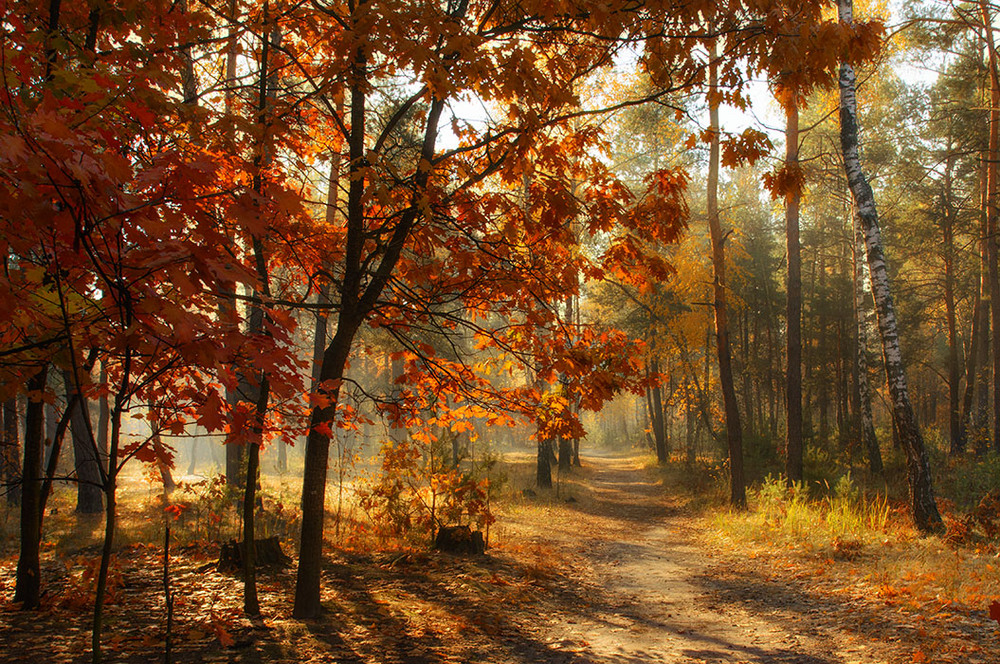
{"type": "Point", "coordinates": [612, 568]}
{"type": "Point", "coordinates": [650, 591]}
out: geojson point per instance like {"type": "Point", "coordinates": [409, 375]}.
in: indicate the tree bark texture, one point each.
{"type": "Point", "coordinates": [793, 302]}
{"type": "Point", "coordinates": [88, 475]}
{"type": "Point", "coordinates": [734, 433]}
{"type": "Point", "coordinates": [10, 457]}
{"type": "Point", "coordinates": [656, 414]}
{"type": "Point", "coordinates": [955, 434]}
{"type": "Point", "coordinates": [27, 588]}
{"type": "Point", "coordinates": [866, 424]}
{"type": "Point", "coordinates": [922, 502]}
{"type": "Point", "coordinates": [993, 211]}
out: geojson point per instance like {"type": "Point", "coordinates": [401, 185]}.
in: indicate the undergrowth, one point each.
{"type": "Point", "coordinates": [861, 538]}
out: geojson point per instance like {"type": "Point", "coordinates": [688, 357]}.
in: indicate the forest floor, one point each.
{"type": "Point", "coordinates": [613, 569]}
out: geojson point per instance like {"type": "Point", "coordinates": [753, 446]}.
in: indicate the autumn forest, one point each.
{"type": "Point", "coordinates": [505, 331]}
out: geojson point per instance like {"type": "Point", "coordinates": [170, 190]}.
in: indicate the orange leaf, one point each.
{"type": "Point", "coordinates": [995, 611]}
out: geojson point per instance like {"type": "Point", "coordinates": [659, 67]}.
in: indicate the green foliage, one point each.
{"type": "Point", "coordinates": [840, 522]}
{"type": "Point", "coordinates": [965, 481]}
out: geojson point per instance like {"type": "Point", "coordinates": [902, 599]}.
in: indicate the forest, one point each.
{"type": "Point", "coordinates": [569, 331]}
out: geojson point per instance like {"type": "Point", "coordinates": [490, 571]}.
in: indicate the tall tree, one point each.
{"type": "Point", "coordinates": [793, 381]}
{"type": "Point", "coordinates": [922, 502]}
{"type": "Point", "coordinates": [993, 208]}
{"type": "Point", "coordinates": [734, 432]}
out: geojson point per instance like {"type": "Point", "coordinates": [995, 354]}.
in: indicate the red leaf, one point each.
{"type": "Point", "coordinates": [219, 626]}
{"type": "Point", "coordinates": [995, 611]}
{"type": "Point", "coordinates": [211, 413]}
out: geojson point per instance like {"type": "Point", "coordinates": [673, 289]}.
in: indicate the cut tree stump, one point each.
{"type": "Point", "coordinates": [460, 540]}
{"type": "Point", "coordinates": [269, 554]}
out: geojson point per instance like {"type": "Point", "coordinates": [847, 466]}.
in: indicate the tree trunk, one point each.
{"type": "Point", "coordinates": [993, 211]}
{"type": "Point", "coordinates": [360, 290]}
{"type": "Point", "coordinates": [793, 384]}
{"type": "Point", "coordinates": [734, 433]}
{"type": "Point", "coordinates": [122, 398]}
{"type": "Point", "coordinates": [227, 301]}
{"type": "Point", "coordinates": [565, 454]}
{"type": "Point", "coordinates": [28, 583]}
{"type": "Point", "coordinates": [866, 425]}
{"type": "Point", "coordinates": [976, 415]}
{"type": "Point", "coordinates": [257, 325]}
{"type": "Point", "coordinates": [689, 439]}
{"type": "Point", "coordinates": [10, 474]}
{"type": "Point", "coordinates": [923, 504]}
{"type": "Point", "coordinates": [659, 435]}
{"type": "Point", "coordinates": [307, 583]}
{"type": "Point", "coordinates": [103, 417]}
{"type": "Point", "coordinates": [956, 438]}
{"type": "Point", "coordinates": [650, 442]}
{"type": "Point", "coordinates": [88, 475]}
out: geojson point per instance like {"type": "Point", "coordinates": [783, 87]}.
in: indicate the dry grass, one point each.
{"type": "Point", "coordinates": [862, 542]}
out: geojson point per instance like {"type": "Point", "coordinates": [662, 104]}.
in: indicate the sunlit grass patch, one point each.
{"type": "Point", "coordinates": [870, 537]}
{"type": "Point", "coordinates": [841, 523]}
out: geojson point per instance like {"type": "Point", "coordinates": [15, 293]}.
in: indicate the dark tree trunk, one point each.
{"type": "Point", "coordinates": [979, 414]}
{"type": "Point", "coordinates": [359, 293]}
{"type": "Point", "coordinates": [543, 465]}
{"type": "Point", "coordinates": [923, 504]}
{"type": "Point", "coordinates": [659, 435]}
{"type": "Point", "coordinates": [10, 460]}
{"type": "Point", "coordinates": [88, 475]}
{"type": "Point", "coordinates": [793, 384]}
{"type": "Point", "coordinates": [993, 212]}
{"type": "Point", "coordinates": [954, 369]}
{"type": "Point", "coordinates": [27, 589]}
{"type": "Point", "coordinates": [103, 418]}
{"type": "Point", "coordinates": [565, 454]}
{"type": "Point", "coordinates": [734, 433]}
{"type": "Point", "coordinates": [260, 391]}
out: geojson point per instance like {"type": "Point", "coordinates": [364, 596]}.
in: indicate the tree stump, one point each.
{"type": "Point", "coordinates": [269, 554]}
{"type": "Point", "coordinates": [460, 540]}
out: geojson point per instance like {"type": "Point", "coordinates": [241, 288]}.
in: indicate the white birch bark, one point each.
{"type": "Point", "coordinates": [923, 505]}
{"type": "Point", "coordinates": [867, 427]}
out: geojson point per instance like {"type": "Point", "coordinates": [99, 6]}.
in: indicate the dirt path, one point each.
{"type": "Point", "coordinates": [613, 571]}
{"type": "Point", "coordinates": [649, 592]}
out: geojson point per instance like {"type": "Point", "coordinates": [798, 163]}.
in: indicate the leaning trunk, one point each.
{"type": "Point", "coordinates": [923, 504]}
{"type": "Point", "coordinates": [656, 413]}
{"type": "Point", "coordinates": [865, 420]}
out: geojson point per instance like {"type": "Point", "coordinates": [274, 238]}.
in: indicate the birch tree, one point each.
{"type": "Point", "coordinates": [922, 502]}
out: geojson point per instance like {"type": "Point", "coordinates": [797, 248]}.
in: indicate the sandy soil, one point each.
{"type": "Point", "coordinates": [613, 570]}
{"type": "Point", "coordinates": [649, 591]}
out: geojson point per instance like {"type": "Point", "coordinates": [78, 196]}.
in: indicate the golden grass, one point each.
{"type": "Point", "coordinates": [861, 540]}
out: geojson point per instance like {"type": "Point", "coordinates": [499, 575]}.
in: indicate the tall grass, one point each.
{"type": "Point", "coordinates": [841, 522]}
